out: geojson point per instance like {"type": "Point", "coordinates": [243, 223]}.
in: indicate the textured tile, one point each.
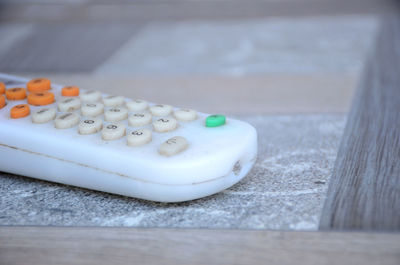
{"type": "Point", "coordinates": [285, 189]}
{"type": "Point", "coordinates": [277, 45]}
{"type": "Point", "coordinates": [67, 48]}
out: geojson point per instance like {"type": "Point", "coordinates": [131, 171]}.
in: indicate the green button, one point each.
{"type": "Point", "coordinates": [215, 120]}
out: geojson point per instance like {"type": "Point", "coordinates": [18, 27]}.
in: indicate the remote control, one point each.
{"type": "Point", "coordinates": [114, 144]}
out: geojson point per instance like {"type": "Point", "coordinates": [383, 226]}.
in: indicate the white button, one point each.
{"type": "Point", "coordinates": [90, 125]}
{"type": "Point", "coordinates": [92, 109]}
{"type": "Point", "coordinates": [90, 96]}
{"type": "Point", "coordinates": [113, 101]}
{"type": "Point", "coordinates": [139, 119]}
{"type": "Point", "coordinates": [161, 110]}
{"type": "Point", "coordinates": [165, 124]}
{"type": "Point", "coordinates": [69, 104]}
{"type": "Point", "coordinates": [44, 115]}
{"type": "Point", "coordinates": [137, 105]}
{"type": "Point", "coordinates": [173, 146]}
{"type": "Point", "coordinates": [138, 137]}
{"type": "Point", "coordinates": [116, 114]}
{"type": "Point", "coordinates": [113, 131]}
{"type": "Point", "coordinates": [185, 114]}
{"type": "Point", "coordinates": [66, 120]}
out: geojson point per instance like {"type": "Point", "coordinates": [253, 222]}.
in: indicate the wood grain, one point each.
{"type": "Point", "coordinates": [63, 245]}
{"type": "Point", "coordinates": [364, 192]}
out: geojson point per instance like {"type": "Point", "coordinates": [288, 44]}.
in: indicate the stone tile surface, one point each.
{"type": "Point", "coordinates": [276, 45]}
{"type": "Point", "coordinates": [285, 189]}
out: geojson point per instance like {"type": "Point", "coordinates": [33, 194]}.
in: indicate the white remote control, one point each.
{"type": "Point", "coordinates": [119, 145]}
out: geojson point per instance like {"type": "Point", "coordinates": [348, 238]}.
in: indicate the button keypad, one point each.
{"type": "Point", "coordinates": [165, 124]}
{"type": "Point", "coordinates": [185, 115]}
{"type": "Point", "coordinates": [44, 115]}
{"type": "Point", "coordinates": [137, 105]}
{"type": "Point", "coordinates": [113, 131]}
{"type": "Point", "coordinates": [161, 110]}
{"type": "Point", "coordinates": [138, 137]}
{"type": "Point", "coordinates": [173, 146]}
{"type": "Point", "coordinates": [113, 101]}
{"type": "Point", "coordinates": [90, 125]}
{"type": "Point", "coordinates": [69, 104]}
{"type": "Point", "coordinates": [115, 114]}
{"type": "Point", "coordinates": [66, 120]}
{"type": "Point", "coordinates": [91, 96]}
{"type": "Point", "coordinates": [92, 109]}
{"type": "Point", "coordinates": [139, 119]}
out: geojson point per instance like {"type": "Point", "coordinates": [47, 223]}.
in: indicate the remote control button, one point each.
{"type": "Point", "coordinates": [113, 132]}
{"type": "Point", "coordinates": [2, 101]}
{"type": "Point", "coordinates": [38, 84]}
{"type": "Point", "coordinates": [44, 115]}
{"type": "Point", "coordinates": [137, 105]}
{"type": "Point", "coordinates": [91, 96]}
{"type": "Point", "coordinates": [165, 124]}
{"type": "Point", "coordinates": [139, 119]}
{"type": "Point", "coordinates": [113, 101]}
{"type": "Point", "coordinates": [40, 98]}
{"type": "Point", "coordinates": [66, 120]}
{"type": "Point", "coordinates": [116, 114]}
{"type": "Point", "coordinates": [161, 110]}
{"type": "Point", "coordinates": [173, 146]}
{"type": "Point", "coordinates": [185, 114]}
{"type": "Point", "coordinates": [70, 91]}
{"type": "Point", "coordinates": [138, 137]}
{"type": "Point", "coordinates": [90, 125]}
{"type": "Point", "coordinates": [16, 93]}
{"type": "Point", "coordinates": [69, 104]}
{"type": "Point", "coordinates": [215, 120]}
{"type": "Point", "coordinates": [2, 88]}
{"type": "Point", "coordinates": [92, 109]}
{"type": "Point", "coordinates": [19, 111]}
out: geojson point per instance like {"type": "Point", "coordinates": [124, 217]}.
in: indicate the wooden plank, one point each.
{"type": "Point", "coordinates": [55, 245]}
{"type": "Point", "coordinates": [364, 192]}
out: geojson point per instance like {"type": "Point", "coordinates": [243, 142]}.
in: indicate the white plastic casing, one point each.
{"type": "Point", "coordinates": [216, 158]}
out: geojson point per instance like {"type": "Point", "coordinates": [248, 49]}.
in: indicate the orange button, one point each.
{"type": "Point", "coordinates": [70, 91]}
{"type": "Point", "coordinates": [19, 111]}
{"type": "Point", "coordinates": [2, 88]}
{"type": "Point", "coordinates": [16, 93]}
{"type": "Point", "coordinates": [38, 84]}
{"type": "Point", "coordinates": [40, 98]}
{"type": "Point", "coordinates": [2, 101]}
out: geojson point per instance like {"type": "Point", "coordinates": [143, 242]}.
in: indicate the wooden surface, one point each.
{"type": "Point", "coordinates": [364, 192]}
{"type": "Point", "coordinates": [63, 245]}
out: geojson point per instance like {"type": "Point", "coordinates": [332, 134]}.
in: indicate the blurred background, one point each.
{"type": "Point", "coordinates": [231, 56]}
{"type": "Point", "coordinates": [288, 67]}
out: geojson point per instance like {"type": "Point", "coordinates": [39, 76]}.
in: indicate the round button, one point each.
{"type": "Point", "coordinates": [138, 137]}
{"type": "Point", "coordinates": [40, 98]}
{"type": "Point", "coordinates": [113, 132]}
{"type": "Point", "coordinates": [161, 110]}
{"type": "Point", "coordinates": [16, 93]}
{"type": "Point", "coordinates": [92, 109]}
{"type": "Point", "coordinates": [70, 91]}
{"type": "Point", "coordinates": [2, 101]}
{"type": "Point", "coordinates": [116, 114]}
{"type": "Point", "coordinates": [67, 120]}
{"type": "Point", "coordinates": [185, 114]}
{"type": "Point", "coordinates": [38, 84]}
{"type": "Point", "coordinates": [2, 88]}
{"type": "Point", "coordinates": [90, 96]}
{"type": "Point", "coordinates": [113, 101]}
{"type": "Point", "coordinates": [215, 120]}
{"type": "Point", "coordinates": [69, 104]}
{"type": "Point", "coordinates": [19, 111]}
{"type": "Point", "coordinates": [165, 124]}
{"type": "Point", "coordinates": [137, 105]}
{"type": "Point", "coordinates": [44, 115]}
{"type": "Point", "coordinates": [173, 146]}
{"type": "Point", "coordinates": [90, 125]}
{"type": "Point", "coordinates": [139, 119]}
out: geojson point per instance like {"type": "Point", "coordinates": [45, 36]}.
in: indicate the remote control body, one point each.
{"type": "Point", "coordinates": [213, 158]}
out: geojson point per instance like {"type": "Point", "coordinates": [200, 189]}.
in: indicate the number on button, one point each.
{"type": "Point", "coordinates": [165, 124]}
{"type": "Point", "coordinates": [113, 132]}
{"type": "Point", "coordinates": [90, 125]}
{"type": "Point", "coordinates": [139, 137]}
{"type": "Point", "coordinates": [173, 146]}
